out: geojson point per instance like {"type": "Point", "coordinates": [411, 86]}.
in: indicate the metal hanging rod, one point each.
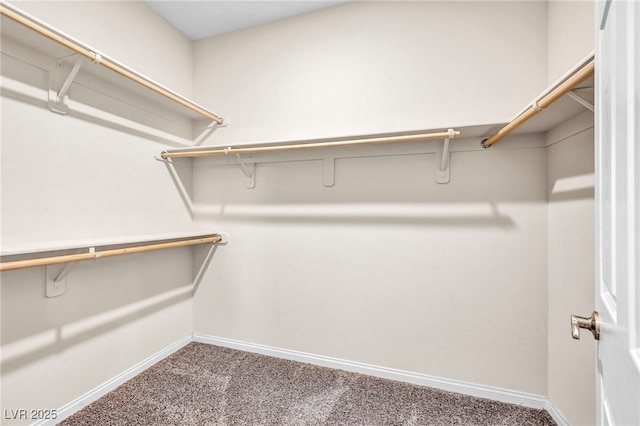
{"type": "Point", "coordinates": [265, 148]}
{"type": "Point", "coordinates": [51, 33]}
{"type": "Point", "coordinates": [52, 260]}
{"type": "Point", "coordinates": [577, 77]}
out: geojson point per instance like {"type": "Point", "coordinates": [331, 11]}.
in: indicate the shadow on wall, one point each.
{"type": "Point", "coordinates": [579, 187]}
{"type": "Point", "coordinates": [468, 216]}
{"type": "Point", "coordinates": [181, 173]}
{"type": "Point", "coordinates": [101, 296]}
{"type": "Point", "coordinates": [97, 101]}
{"type": "Point", "coordinates": [104, 295]}
{"type": "Point", "coordinates": [571, 168]}
{"type": "Point", "coordinates": [385, 189]}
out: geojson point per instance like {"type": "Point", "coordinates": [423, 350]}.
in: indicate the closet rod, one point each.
{"type": "Point", "coordinates": [55, 35]}
{"type": "Point", "coordinates": [263, 148]}
{"type": "Point", "coordinates": [580, 75]}
{"type": "Point", "coordinates": [52, 260]}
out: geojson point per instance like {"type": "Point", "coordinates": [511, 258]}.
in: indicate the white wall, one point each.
{"type": "Point", "coordinates": [386, 267]}
{"type": "Point", "coordinates": [127, 31]}
{"type": "Point", "coordinates": [571, 382]}
{"type": "Point", "coordinates": [88, 174]}
{"type": "Point", "coordinates": [570, 35]}
{"type": "Point", "coordinates": [372, 67]}
{"type": "Point", "coordinates": [571, 267]}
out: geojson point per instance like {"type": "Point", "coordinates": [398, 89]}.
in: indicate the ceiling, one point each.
{"type": "Point", "coordinates": [200, 19]}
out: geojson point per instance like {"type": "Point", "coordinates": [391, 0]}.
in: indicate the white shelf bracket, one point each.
{"type": "Point", "coordinates": [328, 171]}
{"type": "Point", "coordinates": [58, 99]}
{"type": "Point", "coordinates": [63, 274]}
{"type": "Point", "coordinates": [249, 171]}
{"type": "Point", "coordinates": [56, 282]}
{"type": "Point", "coordinates": [443, 160]}
{"type": "Point", "coordinates": [579, 99]}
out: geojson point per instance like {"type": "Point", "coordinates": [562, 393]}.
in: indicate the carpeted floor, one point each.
{"type": "Point", "coordinates": [209, 385]}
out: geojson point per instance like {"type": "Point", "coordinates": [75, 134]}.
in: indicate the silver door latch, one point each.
{"type": "Point", "coordinates": [592, 324]}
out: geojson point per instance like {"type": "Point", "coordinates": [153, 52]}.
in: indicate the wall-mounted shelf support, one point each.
{"type": "Point", "coordinates": [328, 171]}
{"type": "Point", "coordinates": [53, 286]}
{"type": "Point", "coordinates": [443, 160]}
{"type": "Point", "coordinates": [328, 179]}
{"type": "Point", "coordinates": [311, 144]}
{"type": "Point", "coordinates": [249, 171]}
{"type": "Point", "coordinates": [55, 279]}
{"type": "Point", "coordinates": [584, 70]}
{"type": "Point", "coordinates": [111, 64]}
{"type": "Point", "coordinates": [58, 101]}
{"type": "Point", "coordinates": [582, 101]}
{"type": "Point", "coordinates": [61, 276]}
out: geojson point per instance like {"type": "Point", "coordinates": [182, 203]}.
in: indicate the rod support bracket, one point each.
{"type": "Point", "coordinates": [249, 170]}
{"type": "Point", "coordinates": [582, 101]}
{"type": "Point", "coordinates": [55, 282]}
{"type": "Point", "coordinates": [58, 101]}
{"type": "Point", "coordinates": [443, 159]}
{"type": "Point", "coordinates": [328, 171]}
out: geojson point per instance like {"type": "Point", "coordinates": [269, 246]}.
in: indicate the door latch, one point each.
{"type": "Point", "coordinates": [592, 324]}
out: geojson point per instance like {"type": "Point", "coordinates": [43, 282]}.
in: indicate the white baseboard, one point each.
{"type": "Point", "coordinates": [472, 389]}
{"type": "Point", "coordinates": [555, 414]}
{"type": "Point", "coordinates": [465, 388]}
{"type": "Point", "coordinates": [96, 393]}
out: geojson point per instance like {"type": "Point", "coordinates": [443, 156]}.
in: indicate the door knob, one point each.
{"type": "Point", "coordinates": [592, 324]}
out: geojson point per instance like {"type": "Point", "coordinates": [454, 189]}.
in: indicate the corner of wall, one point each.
{"type": "Point", "coordinates": [570, 371]}
{"type": "Point", "coordinates": [128, 31]}
{"type": "Point", "coordinates": [570, 35]}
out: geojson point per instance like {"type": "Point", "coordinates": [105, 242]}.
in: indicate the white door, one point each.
{"type": "Point", "coordinates": [618, 211]}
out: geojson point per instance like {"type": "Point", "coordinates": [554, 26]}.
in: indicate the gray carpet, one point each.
{"type": "Point", "coordinates": [209, 385]}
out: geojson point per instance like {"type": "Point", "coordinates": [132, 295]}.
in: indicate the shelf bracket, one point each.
{"type": "Point", "coordinates": [328, 171]}
{"type": "Point", "coordinates": [443, 160]}
{"type": "Point", "coordinates": [582, 101]}
{"type": "Point", "coordinates": [202, 259]}
{"type": "Point", "coordinates": [56, 282]}
{"type": "Point", "coordinates": [58, 100]}
{"type": "Point", "coordinates": [63, 274]}
{"type": "Point", "coordinates": [249, 171]}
